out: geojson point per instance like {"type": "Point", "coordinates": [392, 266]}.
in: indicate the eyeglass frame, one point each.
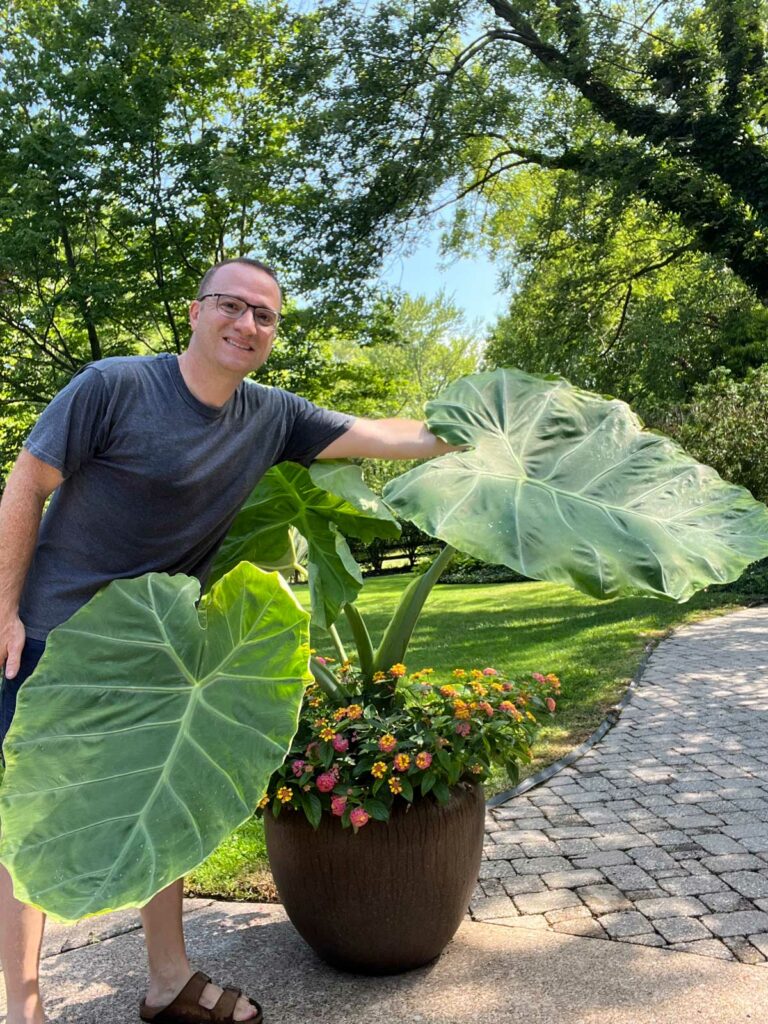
{"type": "Point", "coordinates": [248, 305]}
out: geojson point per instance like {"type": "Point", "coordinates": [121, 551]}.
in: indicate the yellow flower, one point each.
{"type": "Point", "coordinates": [327, 733]}
{"type": "Point", "coordinates": [476, 673]}
{"type": "Point", "coordinates": [263, 802]}
{"type": "Point", "coordinates": [477, 769]}
{"type": "Point", "coordinates": [459, 673]}
{"type": "Point", "coordinates": [497, 687]}
{"type": "Point", "coordinates": [339, 713]}
{"type": "Point", "coordinates": [379, 676]}
{"type": "Point", "coordinates": [448, 691]}
{"type": "Point", "coordinates": [284, 795]}
{"type": "Point", "coordinates": [460, 709]}
{"type": "Point", "coordinates": [529, 715]}
{"type": "Point", "coordinates": [354, 711]}
{"type": "Point", "coordinates": [379, 770]}
{"type": "Point", "coordinates": [479, 689]}
{"type": "Point", "coordinates": [397, 670]}
{"type": "Point", "coordinates": [395, 785]}
{"type": "Point", "coordinates": [428, 671]}
{"type": "Point", "coordinates": [315, 702]}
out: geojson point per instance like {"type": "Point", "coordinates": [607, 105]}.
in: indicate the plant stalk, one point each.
{"type": "Point", "coordinates": [362, 641]}
{"type": "Point", "coordinates": [398, 633]}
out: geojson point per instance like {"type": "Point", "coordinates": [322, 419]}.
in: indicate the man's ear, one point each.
{"type": "Point", "coordinates": [194, 313]}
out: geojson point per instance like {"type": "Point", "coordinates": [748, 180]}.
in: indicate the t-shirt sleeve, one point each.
{"type": "Point", "coordinates": [71, 429]}
{"type": "Point", "coordinates": [313, 428]}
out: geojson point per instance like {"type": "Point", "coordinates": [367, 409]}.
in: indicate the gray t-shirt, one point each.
{"type": "Point", "coordinates": [153, 476]}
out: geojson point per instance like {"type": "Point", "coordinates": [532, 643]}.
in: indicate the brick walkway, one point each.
{"type": "Point", "coordinates": [659, 834]}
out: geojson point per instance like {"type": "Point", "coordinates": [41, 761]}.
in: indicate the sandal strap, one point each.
{"type": "Point", "coordinates": [225, 1007]}
{"type": "Point", "coordinates": [190, 994]}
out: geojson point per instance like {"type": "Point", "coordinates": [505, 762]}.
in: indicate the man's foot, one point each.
{"type": "Point", "coordinates": [198, 990]}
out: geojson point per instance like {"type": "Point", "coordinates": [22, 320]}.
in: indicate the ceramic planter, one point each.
{"type": "Point", "coordinates": [388, 898]}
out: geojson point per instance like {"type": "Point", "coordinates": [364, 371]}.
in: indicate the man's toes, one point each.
{"type": "Point", "coordinates": [244, 1009]}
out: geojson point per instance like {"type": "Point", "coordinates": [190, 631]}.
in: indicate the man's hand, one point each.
{"type": "Point", "coordinates": [12, 637]}
{"type": "Point", "coordinates": [29, 483]}
{"type": "Point", "coordinates": [387, 439]}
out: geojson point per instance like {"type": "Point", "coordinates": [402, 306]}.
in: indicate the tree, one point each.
{"type": "Point", "coordinates": [141, 144]}
{"type": "Point", "coordinates": [615, 298]}
{"type": "Point", "coordinates": [662, 104]}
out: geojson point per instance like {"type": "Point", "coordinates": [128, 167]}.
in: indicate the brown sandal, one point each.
{"type": "Point", "coordinates": [186, 1008]}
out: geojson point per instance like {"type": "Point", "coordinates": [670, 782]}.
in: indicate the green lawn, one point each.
{"type": "Point", "coordinates": [595, 648]}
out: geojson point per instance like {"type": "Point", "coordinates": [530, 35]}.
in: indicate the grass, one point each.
{"type": "Point", "coordinates": [595, 647]}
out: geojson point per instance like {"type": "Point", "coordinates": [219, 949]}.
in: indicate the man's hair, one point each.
{"type": "Point", "coordinates": [205, 284]}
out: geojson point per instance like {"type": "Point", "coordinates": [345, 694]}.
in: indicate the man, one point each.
{"type": "Point", "coordinates": [150, 459]}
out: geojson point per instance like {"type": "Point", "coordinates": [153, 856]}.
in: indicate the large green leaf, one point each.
{"type": "Point", "coordinates": [148, 733]}
{"type": "Point", "coordinates": [324, 503]}
{"type": "Point", "coordinates": [564, 485]}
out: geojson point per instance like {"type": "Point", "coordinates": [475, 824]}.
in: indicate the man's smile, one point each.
{"type": "Point", "coordinates": [238, 344]}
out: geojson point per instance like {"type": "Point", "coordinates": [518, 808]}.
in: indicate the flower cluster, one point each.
{"type": "Point", "coordinates": [354, 761]}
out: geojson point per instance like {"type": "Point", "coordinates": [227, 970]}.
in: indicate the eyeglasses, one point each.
{"type": "Point", "coordinates": [233, 307]}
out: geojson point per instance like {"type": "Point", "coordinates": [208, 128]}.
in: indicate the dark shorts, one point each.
{"type": "Point", "coordinates": [33, 650]}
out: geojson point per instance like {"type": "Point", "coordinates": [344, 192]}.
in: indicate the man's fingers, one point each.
{"type": "Point", "coordinates": [13, 659]}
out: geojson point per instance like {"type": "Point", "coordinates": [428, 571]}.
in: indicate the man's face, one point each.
{"type": "Point", "coordinates": [236, 346]}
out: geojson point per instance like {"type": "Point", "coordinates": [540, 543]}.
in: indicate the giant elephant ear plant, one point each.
{"type": "Point", "coordinates": [150, 728]}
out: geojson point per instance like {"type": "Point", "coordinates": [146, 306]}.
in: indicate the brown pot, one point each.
{"type": "Point", "coordinates": [388, 898]}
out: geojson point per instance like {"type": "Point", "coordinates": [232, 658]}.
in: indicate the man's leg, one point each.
{"type": "Point", "coordinates": [169, 969]}
{"type": "Point", "coordinates": [21, 936]}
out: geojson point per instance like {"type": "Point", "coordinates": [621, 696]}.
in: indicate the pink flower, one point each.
{"type": "Point", "coordinates": [423, 759]}
{"type": "Point", "coordinates": [387, 743]}
{"type": "Point", "coordinates": [319, 660]}
{"type": "Point", "coordinates": [311, 747]}
{"type": "Point", "coordinates": [298, 768]}
{"type": "Point", "coordinates": [326, 782]}
{"type": "Point", "coordinates": [358, 817]}
{"type": "Point", "coordinates": [462, 728]}
{"type": "Point", "coordinates": [551, 703]}
{"type": "Point", "coordinates": [490, 672]}
{"type": "Point", "coordinates": [539, 677]}
{"type": "Point", "coordinates": [486, 707]}
{"type": "Point", "coordinates": [338, 805]}
{"type": "Point", "coordinates": [340, 744]}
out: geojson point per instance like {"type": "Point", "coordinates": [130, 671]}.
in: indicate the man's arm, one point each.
{"type": "Point", "coordinates": [386, 439]}
{"type": "Point", "coordinates": [29, 483]}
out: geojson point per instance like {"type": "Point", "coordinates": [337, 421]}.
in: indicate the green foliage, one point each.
{"type": "Point", "coordinates": [615, 299]}
{"type": "Point", "coordinates": [467, 570]}
{"type": "Point", "coordinates": [562, 485]}
{"type": "Point", "coordinates": [727, 426]}
{"type": "Point", "coordinates": [199, 708]}
{"type": "Point", "coordinates": [324, 504]}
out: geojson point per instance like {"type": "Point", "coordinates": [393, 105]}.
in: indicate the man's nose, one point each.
{"type": "Point", "coordinates": [247, 320]}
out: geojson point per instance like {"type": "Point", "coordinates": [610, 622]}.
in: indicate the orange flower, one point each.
{"type": "Point", "coordinates": [448, 691]}
{"type": "Point", "coordinates": [402, 762]}
{"type": "Point", "coordinates": [354, 711]}
{"type": "Point", "coordinates": [397, 670]}
{"type": "Point", "coordinates": [476, 769]}
{"type": "Point", "coordinates": [327, 733]}
{"type": "Point", "coordinates": [423, 759]}
{"type": "Point", "coordinates": [378, 677]}
{"type": "Point", "coordinates": [460, 709]}
{"type": "Point", "coordinates": [459, 673]}
{"type": "Point", "coordinates": [284, 795]}
{"type": "Point", "coordinates": [263, 802]}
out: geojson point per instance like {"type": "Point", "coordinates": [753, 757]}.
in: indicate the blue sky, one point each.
{"type": "Point", "coordinates": [471, 283]}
